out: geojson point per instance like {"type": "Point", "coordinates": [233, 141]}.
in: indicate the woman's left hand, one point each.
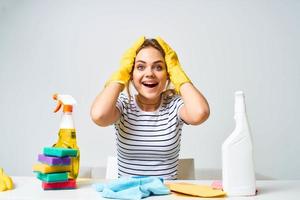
{"type": "Point", "coordinates": [176, 73]}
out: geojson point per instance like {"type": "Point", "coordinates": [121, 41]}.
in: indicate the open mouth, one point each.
{"type": "Point", "coordinates": [149, 85]}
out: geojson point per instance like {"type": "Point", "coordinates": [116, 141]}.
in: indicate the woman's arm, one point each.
{"type": "Point", "coordinates": [104, 111]}
{"type": "Point", "coordinates": [195, 109]}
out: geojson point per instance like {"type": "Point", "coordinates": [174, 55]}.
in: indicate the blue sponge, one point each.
{"type": "Point", "coordinates": [59, 152]}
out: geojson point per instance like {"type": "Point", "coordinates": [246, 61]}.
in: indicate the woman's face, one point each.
{"type": "Point", "coordinates": [149, 73]}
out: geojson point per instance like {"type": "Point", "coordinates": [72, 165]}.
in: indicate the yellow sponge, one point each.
{"type": "Point", "coordinates": [43, 168]}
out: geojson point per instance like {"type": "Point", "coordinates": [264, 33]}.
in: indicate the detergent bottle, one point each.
{"type": "Point", "coordinates": [67, 132]}
{"type": "Point", "coordinates": [237, 154]}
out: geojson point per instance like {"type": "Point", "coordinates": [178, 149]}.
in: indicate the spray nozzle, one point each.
{"type": "Point", "coordinates": [66, 100]}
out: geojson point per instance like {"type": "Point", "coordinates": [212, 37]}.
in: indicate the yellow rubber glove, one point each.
{"type": "Point", "coordinates": [123, 74]}
{"type": "Point", "coordinates": [6, 182]}
{"type": "Point", "coordinates": [176, 73]}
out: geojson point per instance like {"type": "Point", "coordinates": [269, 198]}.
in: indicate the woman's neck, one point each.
{"type": "Point", "coordinates": [148, 105]}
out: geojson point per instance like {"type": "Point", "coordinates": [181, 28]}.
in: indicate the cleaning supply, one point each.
{"type": "Point", "coordinates": [59, 152]}
{"type": "Point", "coordinates": [44, 168]}
{"type": "Point", "coordinates": [51, 160]}
{"type": "Point", "coordinates": [237, 154]}
{"type": "Point", "coordinates": [217, 184]}
{"type": "Point", "coordinates": [70, 184]}
{"type": "Point", "coordinates": [67, 132]}
{"type": "Point", "coordinates": [53, 177]}
{"type": "Point", "coordinates": [6, 182]}
{"type": "Point", "coordinates": [132, 188]}
{"type": "Point", "coordinates": [176, 73]}
{"type": "Point", "coordinates": [196, 190]}
{"type": "Point", "coordinates": [54, 167]}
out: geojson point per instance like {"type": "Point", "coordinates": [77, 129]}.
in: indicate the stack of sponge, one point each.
{"type": "Point", "coordinates": [55, 163]}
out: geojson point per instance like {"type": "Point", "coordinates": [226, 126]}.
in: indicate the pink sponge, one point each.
{"type": "Point", "coordinates": [70, 184]}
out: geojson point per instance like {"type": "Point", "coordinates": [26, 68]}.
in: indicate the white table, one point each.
{"type": "Point", "coordinates": [30, 188]}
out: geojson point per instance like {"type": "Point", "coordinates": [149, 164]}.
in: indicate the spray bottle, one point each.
{"type": "Point", "coordinates": [237, 154]}
{"type": "Point", "coordinates": [67, 132]}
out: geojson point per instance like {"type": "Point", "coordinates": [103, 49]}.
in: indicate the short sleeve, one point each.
{"type": "Point", "coordinates": [122, 99]}
{"type": "Point", "coordinates": [179, 104]}
{"type": "Point", "coordinates": [175, 105]}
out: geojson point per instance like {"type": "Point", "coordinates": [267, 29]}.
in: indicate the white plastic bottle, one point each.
{"type": "Point", "coordinates": [237, 154]}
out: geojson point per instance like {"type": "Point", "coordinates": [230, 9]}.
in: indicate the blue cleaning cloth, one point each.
{"type": "Point", "coordinates": [133, 188]}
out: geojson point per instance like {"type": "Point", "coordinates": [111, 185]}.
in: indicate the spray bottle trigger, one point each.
{"type": "Point", "coordinates": [58, 106]}
{"type": "Point", "coordinates": [58, 103]}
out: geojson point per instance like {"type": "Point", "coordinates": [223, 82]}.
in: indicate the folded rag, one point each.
{"type": "Point", "coordinates": [195, 190]}
{"type": "Point", "coordinates": [133, 188]}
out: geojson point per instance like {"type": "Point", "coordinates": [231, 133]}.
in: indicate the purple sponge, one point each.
{"type": "Point", "coordinates": [54, 160]}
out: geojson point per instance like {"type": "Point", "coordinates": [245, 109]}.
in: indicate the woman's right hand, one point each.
{"type": "Point", "coordinates": [122, 75]}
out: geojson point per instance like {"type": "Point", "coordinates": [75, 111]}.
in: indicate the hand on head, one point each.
{"type": "Point", "coordinates": [175, 71]}
{"type": "Point", "coordinates": [122, 75]}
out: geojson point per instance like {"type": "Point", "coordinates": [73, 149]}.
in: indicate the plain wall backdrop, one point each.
{"type": "Point", "coordinates": [72, 47]}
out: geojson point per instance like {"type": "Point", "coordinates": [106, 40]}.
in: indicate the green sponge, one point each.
{"type": "Point", "coordinates": [53, 177]}
{"type": "Point", "coordinates": [59, 152]}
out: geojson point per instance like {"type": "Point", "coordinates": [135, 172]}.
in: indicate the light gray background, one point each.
{"type": "Point", "coordinates": [72, 47]}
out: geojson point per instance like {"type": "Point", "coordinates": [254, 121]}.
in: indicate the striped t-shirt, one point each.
{"type": "Point", "coordinates": [148, 143]}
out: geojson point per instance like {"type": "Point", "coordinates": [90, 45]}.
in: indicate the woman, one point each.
{"type": "Point", "coordinates": [148, 125]}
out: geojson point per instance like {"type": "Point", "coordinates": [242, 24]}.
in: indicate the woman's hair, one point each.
{"type": "Point", "coordinates": [151, 43]}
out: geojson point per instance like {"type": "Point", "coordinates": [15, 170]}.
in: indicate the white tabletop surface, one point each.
{"type": "Point", "coordinates": [30, 188]}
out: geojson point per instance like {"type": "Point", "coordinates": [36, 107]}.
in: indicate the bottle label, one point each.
{"type": "Point", "coordinates": [67, 133]}
{"type": "Point", "coordinates": [73, 135]}
{"type": "Point", "coordinates": [67, 139]}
